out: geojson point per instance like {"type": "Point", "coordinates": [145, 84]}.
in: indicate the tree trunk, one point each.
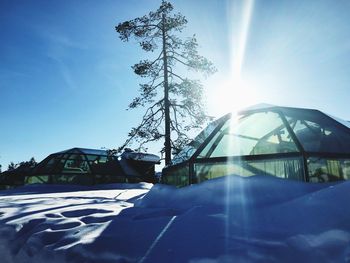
{"type": "Point", "coordinates": [167, 143]}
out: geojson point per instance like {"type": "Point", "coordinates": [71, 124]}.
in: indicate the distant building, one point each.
{"type": "Point", "coordinates": [292, 143]}
{"type": "Point", "coordinates": [86, 167]}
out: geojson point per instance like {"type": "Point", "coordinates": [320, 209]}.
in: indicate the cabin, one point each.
{"type": "Point", "coordinates": [292, 143]}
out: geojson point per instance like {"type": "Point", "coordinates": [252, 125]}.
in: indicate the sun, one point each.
{"type": "Point", "coordinates": [236, 89]}
{"type": "Point", "coordinates": [235, 95]}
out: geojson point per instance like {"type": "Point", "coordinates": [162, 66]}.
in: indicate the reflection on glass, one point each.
{"type": "Point", "coordinates": [266, 137]}
{"type": "Point", "coordinates": [76, 164]}
{"type": "Point", "coordinates": [191, 148]}
{"type": "Point", "coordinates": [328, 170]}
{"type": "Point", "coordinates": [318, 133]}
{"type": "Point", "coordinates": [259, 133]}
{"type": "Point", "coordinates": [178, 176]}
{"type": "Point", "coordinates": [289, 168]}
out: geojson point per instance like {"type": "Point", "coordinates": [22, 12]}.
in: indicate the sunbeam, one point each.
{"type": "Point", "coordinates": [239, 90]}
{"type": "Point", "coordinates": [239, 45]}
{"type": "Point", "coordinates": [236, 87]}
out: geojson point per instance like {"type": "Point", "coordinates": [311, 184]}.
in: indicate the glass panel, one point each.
{"type": "Point", "coordinates": [192, 147]}
{"type": "Point", "coordinates": [328, 170]}
{"type": "Point", "coordinates": [40, 179]}
{"type": "Point", "coordinates": [77, 179]}
{"type": "Point", "coordinates": [215, 140]}
{"type": "Point", "coordinates": [97, 158]}
{"type": "Point", "coordinates": [58, 166]}
{"type": "Point", "coordinates": [49, 165]}
{"type": "Point", "coordinates": [290, 168]}
{"type": "Point", "coordinates": [318, 133]}
{"type": "Point", "coordinates": [258, 133]}
{"type": "Point", "coordinates": [93, 151]}
{"type": "Point", "coordinates": [76, 164]}
{"type": "Point", "coordinates": [178, 176]}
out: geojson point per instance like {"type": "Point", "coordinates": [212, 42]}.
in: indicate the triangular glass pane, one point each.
{"type": "Point", "coordinates": [318, 132]}
{"type": "Point", "coordinates": [254, 134]}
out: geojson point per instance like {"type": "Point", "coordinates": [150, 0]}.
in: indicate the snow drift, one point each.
{"type": "Point", "coordinates": [230, 219]}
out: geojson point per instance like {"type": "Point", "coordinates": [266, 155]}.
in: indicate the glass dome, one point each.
{"type": "Point", "coordinates": [291, 143]}
{"type": "Point", "coordinates": [90, 166]}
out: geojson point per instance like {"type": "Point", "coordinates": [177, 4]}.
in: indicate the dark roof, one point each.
{"type": "Point", "coordinates": [84, 151]}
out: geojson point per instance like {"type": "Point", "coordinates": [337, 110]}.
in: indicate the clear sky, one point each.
{"type": "Point", "coordinates": [66, 78]}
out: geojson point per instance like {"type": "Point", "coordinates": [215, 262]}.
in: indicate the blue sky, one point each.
{"type": "Point", "coordinates": [66, 78]}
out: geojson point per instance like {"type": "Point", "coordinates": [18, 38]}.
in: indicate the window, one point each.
{"type": "Point", "coordinates": [178, 176]}
{"type": "Point", "coordinates": [289, 168]}
{"type": "Point", "coordinates": [328, 170]}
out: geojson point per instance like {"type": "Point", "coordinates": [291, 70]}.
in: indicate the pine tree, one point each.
{"type": "Point", "coordinates": [174, 101]}
{"type": "Point", "coordinates": [12, 166]}
{"type": "Point", "coordinates": [22, 165]}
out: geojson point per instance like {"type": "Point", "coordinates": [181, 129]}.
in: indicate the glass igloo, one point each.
{"type": "Point", "coordinates": [292, 143]}
{"type": "Point", "coordinates": [90, 166]}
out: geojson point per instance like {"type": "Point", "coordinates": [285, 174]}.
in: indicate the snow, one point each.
{"type": "Point", "coordinates": [230, 219]}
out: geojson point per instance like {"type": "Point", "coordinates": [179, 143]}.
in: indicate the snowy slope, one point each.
{"type": "Point", "coordinates": [231, 219]}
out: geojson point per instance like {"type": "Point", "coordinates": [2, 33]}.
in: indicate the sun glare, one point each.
{"type": "Point", "coordinates": [236, 90]}
{"type": "Point", "coordinates": [239, 89]}
{"type": "Point", "coordinates": [236, 95]}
